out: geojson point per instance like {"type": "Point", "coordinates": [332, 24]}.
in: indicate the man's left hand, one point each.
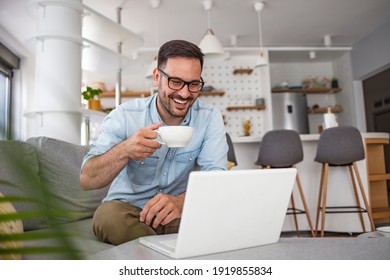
{"type": "Point", "coordinates": [162, 209]}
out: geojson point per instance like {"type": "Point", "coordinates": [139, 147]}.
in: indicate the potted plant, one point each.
{"type": "Point", "coordinates": [335, 82]}
{"type": "Point", "coordinates": [91, 95]}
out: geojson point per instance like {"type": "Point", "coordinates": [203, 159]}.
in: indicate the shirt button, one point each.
{"type": "Point", "coordinates": [142, 163]}
{"type": "Point", "coordinates": [190, 158]}
{"type": "Point", "coordinates": [170, 154]}
{"type": "Point", "coordinates": [165, 173]}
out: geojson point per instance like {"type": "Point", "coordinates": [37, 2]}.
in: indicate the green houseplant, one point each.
{"type": "Point", "coordinates": [335, 82]}
{"type": "Point", "coordinates": [90, 94]}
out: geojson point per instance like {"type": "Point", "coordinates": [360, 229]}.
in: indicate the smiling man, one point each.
{"type": "Point", "coordinates": [148, 180]}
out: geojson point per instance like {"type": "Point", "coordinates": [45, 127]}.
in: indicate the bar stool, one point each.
{"type": "Point", "coordinates": [282, 149]}
{"type": "Point", "coordinates": [232, 161]}
{"type": "Point", "coordinates": [341, 147]}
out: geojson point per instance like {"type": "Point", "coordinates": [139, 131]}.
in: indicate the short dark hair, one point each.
{"type": "Point", "coordinates": [178, 48]}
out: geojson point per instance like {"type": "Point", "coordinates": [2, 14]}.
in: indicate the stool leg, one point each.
{"type": "Point", "coordinates": [357, 197]}
{"type": "Point", "coordinates": [368, 207]}
{"type": "Point", "coordinates": [319, 198]}
{"type": "Point", "coordinates": [295, 215]}
{"type": "Point", "coordinates": [324, 199]}
{"type": "Point", "coordinates": [305, 205]}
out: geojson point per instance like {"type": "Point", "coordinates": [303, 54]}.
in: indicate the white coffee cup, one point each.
{"type": "Point", "coordinates": [175, 136]}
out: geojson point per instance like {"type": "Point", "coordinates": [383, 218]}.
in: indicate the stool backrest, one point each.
{"type": "Point", "coordinates": [341, 145]}
{"type": "Point", "coordinates": [280, 148]}
{"type": "Point", "coordinates": [231, 154]}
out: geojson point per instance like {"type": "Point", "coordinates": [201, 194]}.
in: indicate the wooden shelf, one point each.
{"type": "Point", "coordinates": [257, 107]}
{"type": "Point", "coordinates": [212, 93]}
{"type": "Point", "coordinates": [380, 213]}
{"type": "Point", "coordinates": [379, 177]}
{"type": "Point", "coordinates": [337, 109]}
{"type": "Point", "coordinates": [247, 71]}
{"type": "Point", "coordinates": [308, 90]}
{"type": "Point", "coordinates": [111, 94]}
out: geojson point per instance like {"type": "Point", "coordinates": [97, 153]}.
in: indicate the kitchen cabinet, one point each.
{"type": "Point", "coordinates": [377, 178]}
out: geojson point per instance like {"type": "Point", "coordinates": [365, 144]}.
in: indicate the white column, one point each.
{"type": "Point", "coordinates": [58, 70]}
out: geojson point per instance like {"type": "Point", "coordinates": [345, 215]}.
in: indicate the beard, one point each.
{"type": "Point", "coordinates": [174, 104]}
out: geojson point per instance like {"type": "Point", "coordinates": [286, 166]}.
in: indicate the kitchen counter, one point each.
{"type": "Point", "coordinates": [339, 190]}
{"type": "Point", "coordinates": [305, 137]}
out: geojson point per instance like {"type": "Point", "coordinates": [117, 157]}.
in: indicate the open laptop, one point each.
{"type": "Point", "coordinates": [228, 210]}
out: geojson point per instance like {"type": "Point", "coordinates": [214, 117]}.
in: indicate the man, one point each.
{"type": "Point", "coordinates": [148, 180]}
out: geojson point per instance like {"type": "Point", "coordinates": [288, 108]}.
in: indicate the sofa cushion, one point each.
{"type": "Point", "coordinates": [59, 169]}
{"type": "Point", "coordinates": [19, 178]}
{"type": "Point", "coordinates": [82, 239]}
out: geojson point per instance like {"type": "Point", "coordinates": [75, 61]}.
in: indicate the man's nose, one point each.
{"type": "Point", "coordinates": [184, 92]}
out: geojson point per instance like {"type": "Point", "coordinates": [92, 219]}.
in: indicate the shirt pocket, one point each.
{"type": "Point", "coordinates": [142, 172]}
{"type": "Point", "coordinates": [185, 163]}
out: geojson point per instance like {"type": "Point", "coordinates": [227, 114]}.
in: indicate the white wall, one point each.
{"type": "Point", "coordinates": [342, 70]}
{"type": "Point", "coordinates": [371, 54]}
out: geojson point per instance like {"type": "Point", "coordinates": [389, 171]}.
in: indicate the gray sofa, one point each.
{"type": "Point", "coordinates": [46, 171]}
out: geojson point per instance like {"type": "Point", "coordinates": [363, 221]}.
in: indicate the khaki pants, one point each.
{"type": "Point", "coordinates": [117, 222]}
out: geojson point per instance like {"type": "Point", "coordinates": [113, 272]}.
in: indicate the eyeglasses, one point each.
{"type": "Point", "coordinates": [177, 83]}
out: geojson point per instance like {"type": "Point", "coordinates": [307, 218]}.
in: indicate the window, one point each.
{"type": "Point", "coordinates": [8, 62]}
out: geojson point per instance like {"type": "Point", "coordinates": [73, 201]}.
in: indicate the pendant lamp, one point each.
{"type": "Point", "coordinates": [155, 4]}
{"type": "Point", "coordinates": [210, 44]}
{"type": "Point", "coordinates": [262, 59]}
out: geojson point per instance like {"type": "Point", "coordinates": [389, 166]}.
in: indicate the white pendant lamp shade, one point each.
{"type": "Point", "coordinates": [210, 44]}
{"type": "Point", "coordinates": [152, 66]}
{"type": "Point", "coordinates": [262, 59]}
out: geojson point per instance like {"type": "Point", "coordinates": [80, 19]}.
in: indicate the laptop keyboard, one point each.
{"type": "Point", "coordinates": [169, 242]}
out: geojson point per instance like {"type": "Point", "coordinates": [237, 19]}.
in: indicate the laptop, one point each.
{"type": "Point", "coordinates": [228, 210]}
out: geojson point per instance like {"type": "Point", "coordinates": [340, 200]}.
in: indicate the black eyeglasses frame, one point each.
{"type": "Point", "coordinates": [169, 78]}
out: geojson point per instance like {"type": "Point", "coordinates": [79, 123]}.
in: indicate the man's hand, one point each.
{"type": "Point", "coordinates": [163, 209]}
{"type": "Point", "coordinates": [101, 170]}
{"type": "Point", "coordinates": [142, 144]}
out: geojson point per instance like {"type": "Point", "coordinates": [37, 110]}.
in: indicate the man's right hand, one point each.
{"type": "Point", "coordinates": [142, 143]}
{"type": "Point", "coordinates": [100, 171]}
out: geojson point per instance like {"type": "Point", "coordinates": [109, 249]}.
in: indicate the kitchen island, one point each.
{"type": "Point", "coordinates": [340, 192]}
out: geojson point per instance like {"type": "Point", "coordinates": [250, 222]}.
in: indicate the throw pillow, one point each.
{"type": "Point", "coordinates": [59, 170]}
{"type": "Point", "coordinates": [9, 227]}
{"type": "Point", "coordinates": [19, 178]}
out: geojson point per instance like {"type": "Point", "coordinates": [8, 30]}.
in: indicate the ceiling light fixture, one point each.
{"type": "Point", "coordinates": [210, 44]}
{"type": "Point", "coordinates": [155, 4]}
{"type": "Point", "coordinates": [262, 60]}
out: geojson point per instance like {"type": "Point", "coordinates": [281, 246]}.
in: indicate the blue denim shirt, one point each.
{"type": "Point", "coordinates": [167, 170]}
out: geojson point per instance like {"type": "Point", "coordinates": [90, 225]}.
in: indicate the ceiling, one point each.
{"type": "Point", "coordinates": [285, 23]}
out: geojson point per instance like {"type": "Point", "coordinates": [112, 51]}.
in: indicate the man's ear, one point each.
{"type": "Point", "coordinates": [156, 77]}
